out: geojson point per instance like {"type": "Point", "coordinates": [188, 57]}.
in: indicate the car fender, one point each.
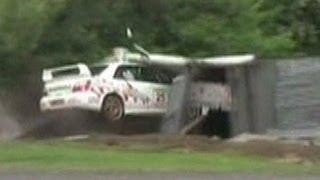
{"type": "Point", "coordinates": [108, 88]}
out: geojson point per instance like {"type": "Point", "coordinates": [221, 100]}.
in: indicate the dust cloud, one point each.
{"type": "Point", "coordinates": [9, 126]}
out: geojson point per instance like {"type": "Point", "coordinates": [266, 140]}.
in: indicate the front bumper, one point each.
{"type": "Point", "coordinates": [85, 101]}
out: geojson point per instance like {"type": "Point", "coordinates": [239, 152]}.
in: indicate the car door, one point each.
{"type": "Point", "coordinates": [158, 84]}
{"type": "Point", "coordinates": [145, 88]}
{"type": "Point", "coordinates": [136, 91]}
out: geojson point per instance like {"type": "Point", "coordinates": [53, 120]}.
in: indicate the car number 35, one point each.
{"type": "Point", "coordinates": [160, 95]}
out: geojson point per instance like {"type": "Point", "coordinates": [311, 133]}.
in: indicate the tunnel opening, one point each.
{"type": "Point", "coordinates": [216, 121]}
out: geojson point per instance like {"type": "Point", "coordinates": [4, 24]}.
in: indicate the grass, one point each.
{"type": "Point", "coordinates": [86, 157]}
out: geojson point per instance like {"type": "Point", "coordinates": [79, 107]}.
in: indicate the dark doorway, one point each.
{"type": "Point", "coordinates": [213, 75]}
{"type": "Point", "coordinates": [217, 123]}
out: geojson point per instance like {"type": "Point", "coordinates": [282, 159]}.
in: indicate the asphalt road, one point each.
{"type": "Point", "coordinates": [145, 176]}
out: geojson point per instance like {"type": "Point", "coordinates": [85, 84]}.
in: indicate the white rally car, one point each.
{"type": "Point", "coordinates": [115, 89]}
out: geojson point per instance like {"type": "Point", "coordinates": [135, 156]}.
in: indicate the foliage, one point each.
{"type": "Point", "coordinates": [42, 33]}
{"type": "Point", "coordinates": [22, 25]}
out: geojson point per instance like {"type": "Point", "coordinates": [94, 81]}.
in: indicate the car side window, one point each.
{"type": "Point", "coordinates": [148, 75]}
{"type": "Point", "coordinates": [163, 77]}
{"type": "Point", "coordinates": [155, 75]}
{"type": "Point", "coordinates": [131, 73]}
{"type": "Point", "coordinates": [142, 73]}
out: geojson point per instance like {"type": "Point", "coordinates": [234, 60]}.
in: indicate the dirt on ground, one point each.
{"type": "Point", "coordinates": [72, 123]}
{"type": "Point", "coordinates": [142, 133]}
{"type": "Point", "coordinates": [272, 149]}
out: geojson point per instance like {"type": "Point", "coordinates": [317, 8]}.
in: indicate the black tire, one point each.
{"type": "Point", "coordinates": [113, 112]}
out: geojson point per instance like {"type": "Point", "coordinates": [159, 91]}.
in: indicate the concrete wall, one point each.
{"type": "Point", "coordinates": [261, 80]}
{"type": "Point", "coordinates": [240, 117]}
{"type": "Point", "coordinates": [298, 93]}
{"type": "Point", "coordinates": [175, 118]}
{"type": "Point", "coordinates": [253, 88]}
{"type": "Point", "coordinates": [283, 94]}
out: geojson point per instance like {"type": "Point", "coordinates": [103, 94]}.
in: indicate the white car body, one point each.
{"type": "Point", "coordinates": [78, 88]}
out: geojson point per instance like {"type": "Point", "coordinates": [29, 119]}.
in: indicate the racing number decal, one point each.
{"type": "Point", "coordinates": [160, 95]}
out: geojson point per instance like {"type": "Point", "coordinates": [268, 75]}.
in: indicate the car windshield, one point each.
{"type": "Point", "coordinates": [97, 69]}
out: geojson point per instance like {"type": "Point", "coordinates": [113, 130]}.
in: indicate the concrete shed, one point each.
{"type": "Point", "coordinates": [251, 85]}
{"type": "Point", "coordinates": [280, 96]}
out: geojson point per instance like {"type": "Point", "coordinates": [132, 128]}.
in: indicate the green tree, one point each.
{"type": "Point", "coordinates": [36, 34]}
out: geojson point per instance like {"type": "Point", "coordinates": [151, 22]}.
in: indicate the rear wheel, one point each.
{"type": "Point", "coordinates": [113, 112]}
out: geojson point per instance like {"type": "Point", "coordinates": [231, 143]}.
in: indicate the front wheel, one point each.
{"type": "Point", "coordinates": [113, 113]}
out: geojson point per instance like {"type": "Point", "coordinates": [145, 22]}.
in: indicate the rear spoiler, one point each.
{"type": "Point", "coordinates": [80, 70]}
